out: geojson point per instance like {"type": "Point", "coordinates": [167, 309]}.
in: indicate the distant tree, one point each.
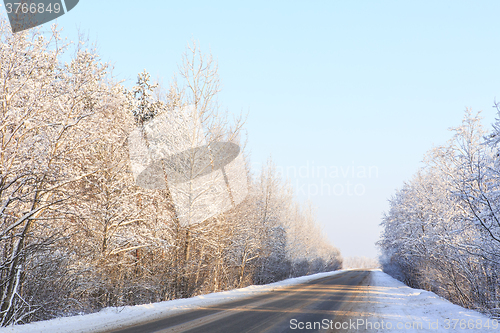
{"type": "Point", "coordinates": [360, 262]}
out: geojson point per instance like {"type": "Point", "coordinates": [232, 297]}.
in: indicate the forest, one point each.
{"type": "Point", "coordinates": [442, 231]}
{"type": "Point", "coordinates": [76, 232]}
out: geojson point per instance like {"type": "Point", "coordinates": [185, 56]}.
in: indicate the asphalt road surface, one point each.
{"type": "Point", "coordinates": [291, 309]}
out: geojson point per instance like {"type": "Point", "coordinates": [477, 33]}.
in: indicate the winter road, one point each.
{"type": "Point", "coordinates": [326, 300]}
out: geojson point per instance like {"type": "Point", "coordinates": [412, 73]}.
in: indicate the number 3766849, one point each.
{"type": "Point", "coordinates": [39, 8]}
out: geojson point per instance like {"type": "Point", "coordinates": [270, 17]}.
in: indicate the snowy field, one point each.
{"type": "Point", "coordinates": [391, 306]}
{"type": "Point", "coordinates": [386, 305]}
{"type": "Point", "coordinates": [111, 318]}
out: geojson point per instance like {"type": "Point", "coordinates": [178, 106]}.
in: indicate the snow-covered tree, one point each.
{"type": "Point", "coordinates": [78, 233]}
{"type": "Point", "coordinates": [440, 231]}
{"type": "Point", "coordinates": [47, 110]}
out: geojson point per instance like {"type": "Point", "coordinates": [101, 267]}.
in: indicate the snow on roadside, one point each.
{"type": "Point", "coordinates": [116, 317]}
{"type": "Point", "coordinates": [391, 306]}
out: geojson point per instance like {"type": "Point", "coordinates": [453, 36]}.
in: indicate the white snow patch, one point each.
{"type": "Point", "coordinates": [388, 302]}
{"type": "Point", "coordinates": [117, 317]}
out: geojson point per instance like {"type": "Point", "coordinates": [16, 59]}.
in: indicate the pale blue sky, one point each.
{"type": "Point", "coordinates": [338, 84]}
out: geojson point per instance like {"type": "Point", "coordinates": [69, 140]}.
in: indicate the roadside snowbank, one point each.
{"type": "Point", "coordinates": [391, 306]}
{"type": "Point", "coordinates": [112, 318]}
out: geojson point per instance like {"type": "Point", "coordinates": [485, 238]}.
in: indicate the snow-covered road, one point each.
{"type": "Point", "coordinates": [379, 304]}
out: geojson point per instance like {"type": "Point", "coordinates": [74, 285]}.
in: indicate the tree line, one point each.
{"type": "Point", "coordinates": [442, 230]}
{"type": "Point", "coordinates": [76, 232]}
